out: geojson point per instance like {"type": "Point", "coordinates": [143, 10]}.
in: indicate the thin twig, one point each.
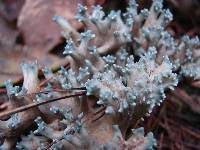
{"type": "Point", "coordinates": [101, 114]}
{"type": "Point", "coordinates": [52, 143]}
{"type": "Point", "coordinates": [45, 81]}
{"type": "Point", "coordinates": [193, 133]}
{"type": "Point", "coordinates": [32, 105]}
{"type": "Point", "coordinates": [54, 90]}
{"type": "Point", "coordinates": [160, 146]}
{"type": "Point", "coordinates": [10, 73]}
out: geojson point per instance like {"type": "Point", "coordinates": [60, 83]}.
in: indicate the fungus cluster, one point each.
{"type": "Point", "coordinates": [122, 63]}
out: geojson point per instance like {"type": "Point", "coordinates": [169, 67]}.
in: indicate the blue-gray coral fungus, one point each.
{"type": "Point", "coordinates": [119, 88]}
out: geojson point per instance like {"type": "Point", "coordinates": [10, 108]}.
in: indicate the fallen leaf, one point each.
{"type": "Point", "coordinates": [8, 35]}
{"type": "Point", "coordinates": [35, 21]}
{"type": "Point", "coordinates": [10, 63]}
{"type": "Point", "coordinates": [10, 9]}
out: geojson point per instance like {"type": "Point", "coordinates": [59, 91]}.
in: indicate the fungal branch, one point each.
{"type": "Point", "coordinates": [104, 82]}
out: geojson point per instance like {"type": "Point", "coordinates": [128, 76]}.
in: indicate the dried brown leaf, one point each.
{"type": "Point", "coordinates": [10, 9]}
{"type": "Point", "coordinates": [8, 35]}
{"type": "Point", "coordinates": [10, 63]}
{"type": "Point", "coordinates": [36, 24]}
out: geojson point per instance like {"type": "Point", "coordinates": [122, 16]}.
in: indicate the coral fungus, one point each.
{"type": "Point", "coordinates": [122, 64]}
